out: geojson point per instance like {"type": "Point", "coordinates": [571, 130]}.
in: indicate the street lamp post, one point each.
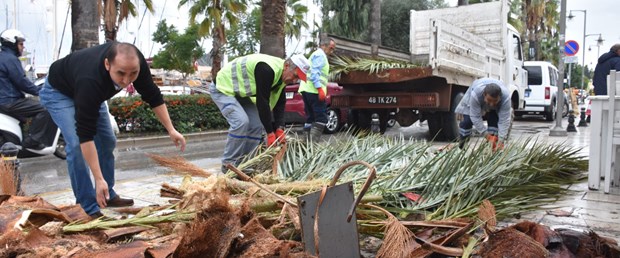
{"type": "Point", "coordinates": [583, 53]}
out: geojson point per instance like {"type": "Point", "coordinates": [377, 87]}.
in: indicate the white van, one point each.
{"type": "Point", "coordinates": [542, 78]}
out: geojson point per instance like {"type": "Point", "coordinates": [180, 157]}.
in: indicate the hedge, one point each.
{"type": "Point", "coordinates": [189, 113]}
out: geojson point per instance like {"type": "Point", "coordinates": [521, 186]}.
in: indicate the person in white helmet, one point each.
{"type": "Point", "coordinates": [13, 85]}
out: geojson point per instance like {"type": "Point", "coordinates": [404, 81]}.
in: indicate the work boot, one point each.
{"type": "Point", "coordinates": [316, 131]}
{"type": "Point", "coordinates": [462, 141]}
{"type": "Point", "coordinates": [119, 202]}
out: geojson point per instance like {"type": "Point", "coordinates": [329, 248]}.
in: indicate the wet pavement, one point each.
{"type": "Point", "coordinates": [139, 178]}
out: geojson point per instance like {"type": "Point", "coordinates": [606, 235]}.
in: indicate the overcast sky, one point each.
{"type": "Point", "coordinates": [36, 19]}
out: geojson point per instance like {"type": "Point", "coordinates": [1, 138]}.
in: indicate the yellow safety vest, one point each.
{"type": "Point", "coordinates": [308, 85]}
{"type": "Point", "coordinates": [237, 77]}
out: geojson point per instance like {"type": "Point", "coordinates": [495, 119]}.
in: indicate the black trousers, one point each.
{"type": "Point", "coordinates": [42, 129]}
{"type": "Point", "coordinates": [316, 111]}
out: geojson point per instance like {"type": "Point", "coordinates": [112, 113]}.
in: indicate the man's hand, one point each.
{"type": "Point", "coordinates": [321, 94]}
{"type": "Point", "coordinates": [178, 139]}
{"type": "Point", "coordinates": [103, 194]}
{"type": "Point", "coordinates": [459, 117]}
{"type": "Point", "coordinates": [280, 136]}
{"type": "Point", "coordinates": [271, 139]}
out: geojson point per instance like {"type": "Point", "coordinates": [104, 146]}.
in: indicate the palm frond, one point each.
{"type": "Point", "coordinates": [452, 183]}
{"type": "Point", "coordinates": [345, 64]}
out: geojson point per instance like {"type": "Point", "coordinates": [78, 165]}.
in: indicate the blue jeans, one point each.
{"type": "Point", "coordinates": [62, 110]}
{"type": "Point", "coordinates": [246, 129]}
{"type": "Point", "coordinates": [316, 111]}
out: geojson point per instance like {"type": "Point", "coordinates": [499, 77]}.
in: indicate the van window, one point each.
{"type": "Point", "coordinates": [534, 75]}
{"type": "Point", "coordinates": [553, 76]}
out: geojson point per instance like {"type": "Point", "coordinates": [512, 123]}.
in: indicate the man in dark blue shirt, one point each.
{"type": "Point", "coordinates": [606, 62]}
{"type": "Point", "coordinates": [13, 85]}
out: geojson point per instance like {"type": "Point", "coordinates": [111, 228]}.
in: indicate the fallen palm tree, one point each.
{"type": "Point", "coordinates": [451, 183]}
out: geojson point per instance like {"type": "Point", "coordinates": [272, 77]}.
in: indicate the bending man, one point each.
{"type": "Point", "coordinates": [262, 77]}
{"type": "Point", "coordinates": [485, 97]}
{"type": "Point", "coordinates": [74, 94]}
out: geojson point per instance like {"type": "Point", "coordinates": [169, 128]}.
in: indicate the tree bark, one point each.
{"type": "Point", "coordinates": [84, 24]}
{"type": "Point", "coordinates": [110, 14]}
{"type": "Point", "coordinates": [272, 27]}
{"type": "Point", "coordinates": [219, 39]}
{"type": "Point", "coordinates": [374, 34]}
{"type": "Point", "coordinates": [463, 2]}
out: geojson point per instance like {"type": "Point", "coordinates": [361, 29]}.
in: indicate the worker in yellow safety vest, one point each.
{"type": "Point", "coordinates": [249, 91]}
{"type": "Point", "coordinates": [314, 90]}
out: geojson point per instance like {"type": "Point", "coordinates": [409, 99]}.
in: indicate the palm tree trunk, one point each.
{"type": "Point", "coordinates": [374, 34]}
{"type": "Point", "coordinates": [84, 24]}
{"type": "Point", "coordinates": [219, 39]}
{"type": "Point", "coordinates": [272, 27]}
{"type": "Point", "coordinates": [109, 19]}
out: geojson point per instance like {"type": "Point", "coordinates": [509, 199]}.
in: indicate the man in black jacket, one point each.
{"type": "Point", "coordinates": [74, 94]}
{"type": "Point", "coordinates": [607, 62]}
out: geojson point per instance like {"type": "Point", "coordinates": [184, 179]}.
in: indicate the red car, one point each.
{"type": "Point", "coordinates": [294, 112]}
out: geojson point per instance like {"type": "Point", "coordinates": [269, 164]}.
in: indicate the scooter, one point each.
{"type": "Point", "coordinates": [11, 131]}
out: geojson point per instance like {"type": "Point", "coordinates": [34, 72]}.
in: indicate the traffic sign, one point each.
{"type": "Point", "coordinates": [571, 59]}
{"type": "Point", "coordinates": [571, 48]}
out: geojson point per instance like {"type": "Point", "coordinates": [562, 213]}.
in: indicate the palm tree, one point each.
{"type": "Point", "coordinates": [86, 31]}
{"type": "Point", "coordinates": [115, 12]}
{"type": "Point", "coordinates": [272, 27]}
{"type": "Point", "coordinates": [295, 20]}
{"type": "Point", "coordinates": [374, 17]}
{"type": "Point", "coordinates": [347, 18]}
{"type": "Point", "coordinates": [215, 14]}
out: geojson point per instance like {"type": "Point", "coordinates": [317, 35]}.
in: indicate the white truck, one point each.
{"type": "Point", "coordinates": [455, 46]}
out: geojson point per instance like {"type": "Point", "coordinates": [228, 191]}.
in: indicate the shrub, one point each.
{"type": "Point", "coordinates": [189, 113]}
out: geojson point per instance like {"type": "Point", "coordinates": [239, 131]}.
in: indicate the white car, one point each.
{"type": "Point", "coordinates": [541, 96]}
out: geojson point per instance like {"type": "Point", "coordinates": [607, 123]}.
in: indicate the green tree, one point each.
{"type": "Point", "coordinates": [215, 14]}
{"type": "Point", "coordinates": [179, 50]}
{"type": "Point", "coordinates": [575, 75]}
{"type": "Point", "coordinates": [346, 18]}
{"type": "Point", "coordinates": [295, 21]}
{"type": "Point", "coordinates": [395, 20]}
{"type": "Point", "coordinates": [242, 39]}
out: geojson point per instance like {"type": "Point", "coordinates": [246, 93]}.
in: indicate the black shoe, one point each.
{"type": "Point", "coordinates": [96, 215]}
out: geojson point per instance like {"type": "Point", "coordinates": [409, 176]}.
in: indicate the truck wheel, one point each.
{"type": "Point", "coordinates": [550, 116]}
{"type": "Point", "coordinates": [449, 122]}
{"type": "Point", "coordinates": [434, 125]}
{"type": "Point", "coordinates": [362, 119]}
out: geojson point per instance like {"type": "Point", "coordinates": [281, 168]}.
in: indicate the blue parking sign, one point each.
{"type": "Point", "coordinates": [571, 48]}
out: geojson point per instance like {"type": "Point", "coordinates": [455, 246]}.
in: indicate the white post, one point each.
{"type": "Point", "coordinates": [55, 30]}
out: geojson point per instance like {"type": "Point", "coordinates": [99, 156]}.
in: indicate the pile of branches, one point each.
{"type": "Point", "coordinates": [424, 201]}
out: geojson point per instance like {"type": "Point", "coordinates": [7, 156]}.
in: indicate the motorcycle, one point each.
{"type": "Point", "coordinates": [11, 131]}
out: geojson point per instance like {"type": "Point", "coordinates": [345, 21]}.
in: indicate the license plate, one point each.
{"type": "Point", "coordinates": [289, 95]}
{"type": "Point", "coordinates": [382, 100]}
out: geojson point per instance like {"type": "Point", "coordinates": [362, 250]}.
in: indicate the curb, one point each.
{"type": "Point", "coordinates": [156, 141]}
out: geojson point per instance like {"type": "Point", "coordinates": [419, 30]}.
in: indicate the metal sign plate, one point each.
{"type": "Point", "coordinates": [337, 238]}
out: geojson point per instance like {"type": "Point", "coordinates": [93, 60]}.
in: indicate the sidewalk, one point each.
{"type": "Point", "coordinates": [585, 210]}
